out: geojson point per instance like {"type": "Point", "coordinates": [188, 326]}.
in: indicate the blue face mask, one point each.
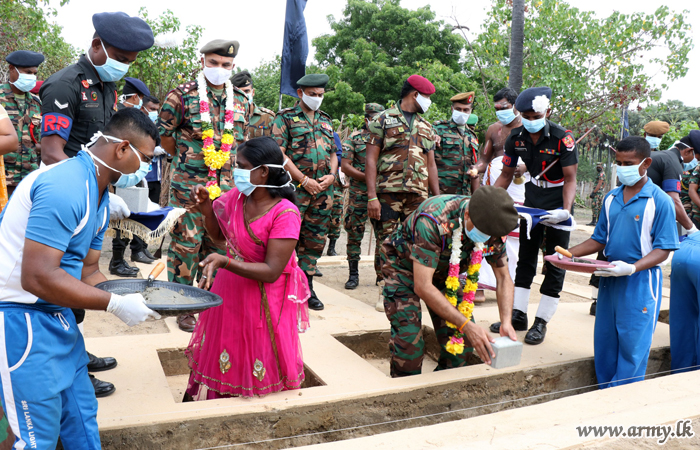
{"type": "Point", "coordinates": [241, 178]}
{"type": "Point", "coordinates": [126, 180]}
{"type": "Point", "coordinates": [533, 126]}
{"type": "Point", "coordinates": [653, 141]}
{"type": "Point", "coordinates": [629, 175]}
{"type": "Point", "coordinates": [691, 165]}
{"type": "Point", "coordinates": [477, 236]}
{"type": "Point", "coordinates": [111, 70]}
{"type": "Point", "coordinates": [133, 105]}
{"type": "Point", "coordinates": [25, 82]}
{"type": "Point", "coordinates": [153, 115]}
{"type": "Point", "coordinates": [506, 116]}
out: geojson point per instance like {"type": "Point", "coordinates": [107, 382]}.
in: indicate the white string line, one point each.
{"type": "Point", "coordinates": [318, 433]}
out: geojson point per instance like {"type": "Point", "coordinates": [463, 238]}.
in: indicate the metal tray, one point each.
{"type": "Point", "coordinates": [206, 299]}
{"type": "Point", "coordinates": [567, 264]}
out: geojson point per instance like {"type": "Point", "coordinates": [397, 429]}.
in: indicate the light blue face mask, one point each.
{"type": "Point", "coordinates": [506, 116]}
{"type": "Point", "coordinates": [477, 236]}
{"type": "Point", "coordinates": [629, 175]}
{"type": "Point", "coordinates": [25, 82]}
{"type": "Point", "coordinates": [690, 165]}
{"type": "Point", "coordinates": [653, 141]}
{"type": "Point", "coordinates": [153, 115]}
{"type": "Point", "coordinates": [111, 70]}
{"type": "Point", "coordinates": [533, 126]}
{"type": "Point", "coordinates": [134, 105]}
{"type": "Point", "coordinates": [241, 178]}
{"type": "Point", "coordinates": [126, 180]}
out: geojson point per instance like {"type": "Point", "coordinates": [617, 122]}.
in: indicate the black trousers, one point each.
{"type": "Point", "coordinates": [119, 245]}
{"type": "Point", "coordinates": [154, 191]}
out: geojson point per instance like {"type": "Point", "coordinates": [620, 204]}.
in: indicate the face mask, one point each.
{"type": "Point", "coordinates": [111, 70]}
{"type": "Point", "coordinates": [153, 115]}
{"type": "Point", "coordinates": [459, 118]}
{"type": "Point", "coordinates": [533, 126]}
{"type": "Point", "coordinates": [250, 96]}
{"type": "Point", "coordinates": [241, 178]}
{"type": "Point", "coordinates": [125, 180]}
{"type": "Point", "coordinates": [135, 105]}
{"type": "Point", "coordinates": [25, 82]}
{"type": "Point", "coordinates": [424, 103]}
{"type": "Point", "coordinates": [217, 75]}
{"type": "Point", "coordinates": [690, 165]}
{"type": "Point", "coordinates": [312, 102]}
{"type": "Point", "coordinates": [506, 116]}
{"type": "Point", "coordinates": [653, 141]}
{"type": "Point", "coordinates": [599, 169]}
{"type": "Point", "coordinates": [477, 236]}
{"type": "Point", "coordinates": [629, 175]}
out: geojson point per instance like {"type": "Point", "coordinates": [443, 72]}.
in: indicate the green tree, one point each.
{"type": "Point", "coordinates": [677, 131]}
{"type": "Point", "coordinates": [26, 26]}
{"type": "Point", "coordinates": [165, 66]}
{"type": "Point", "coordinates": [673, 112]}
{"type": "Point", "coordinates": [266, 81]}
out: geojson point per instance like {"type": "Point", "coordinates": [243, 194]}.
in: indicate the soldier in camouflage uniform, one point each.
{"type": "Point", "coordinates": [694, 187]}
{"type": "Point", "coordinates": [305, 135]}
{"type": "Point", "coordinates": [181, 135]}
{"type": "Point", "coordinates": [353, 165]}
{"type": "Point", "coordinates": [597, 195]}
{"type": "Point", "coordinates": [259, 118]}
{"type": "Point", "coordinates": [415, 263]}
{"type": "Point", "coordinates": [24, 110]}
{"type": "Point", "coordinates": [400, 159]}
{"type": "Point", "coordinates": [338, 199]}
{"type": "Point", "coordinates": [456, 148]}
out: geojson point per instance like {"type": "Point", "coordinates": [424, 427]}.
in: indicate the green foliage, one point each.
{"type": "Point", "coordinates": [164, 68]}
{"type": "Point", "coordinates": [26, 26]}
{"type": "Point", "coordinates": [677, 131]}
{"type": "Point", "coordinates": [673, 112]}
{"type": "Point", "coordinates": [594, 66]}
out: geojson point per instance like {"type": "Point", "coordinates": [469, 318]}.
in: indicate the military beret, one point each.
{"type": "Point", "coordinates": [473, 119]}
{"type": "Point", "coordinates": [221, 47]}
{"type": "Point", "coordinates": [492, 212]}
{"type": "Point", "coordinates": [242, 79]}
{"type": "Point", "coordinates": [657, 127]}
{"type": "Point", "coordinates": [421, 84]}
{"type": "Point", "coordinates": [464, 97]}
{"type": "Point", "coordinates": [534, 99]}
{"type": "Point", "coordinates": [36, 88]}
{"type": "Point", "coordinates": [118, 29]}
{"type": "Point", "coordinates": [24, 58]}
{"type": "Point", "coordinates": [134, 86]}
{"type": "Point", "coordinates": [313, 80]}
{"type": "Point", "coordinates": [373, 108]}
{"type": "Point", "coordinates": [694, 136]}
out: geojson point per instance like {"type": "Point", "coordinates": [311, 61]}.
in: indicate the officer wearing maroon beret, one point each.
{"type": "Point", "coordinates": [400, 167]}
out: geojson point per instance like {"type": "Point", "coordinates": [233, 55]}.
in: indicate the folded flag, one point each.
{"type": "Point", "coordinates": [149, 226]}
{"type": "Point", "coordinates": [533, 216]}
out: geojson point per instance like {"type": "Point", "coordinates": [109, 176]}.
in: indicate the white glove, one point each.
{"type": "Point", "coordinates": [691, 231]}
{"type": "Point", "coordinates": [159, 151]}
{"type": "Point", "coordinates": [117, 208]}
{"type": "Point", "coordinates": [556, 216]}
{"type": "Point", "coordinates": [131, 309]}
{"type": "Point", "coordinates": [621, 269]}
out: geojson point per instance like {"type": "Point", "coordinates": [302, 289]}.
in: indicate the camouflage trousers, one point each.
{"type": "Point", "coordinates": [596, 204]}
{"type": "Point", "coordinates": [355, 221]}
{"type": "Point", "coordinates": [315, 211]}
{"type": "Point", "coordinates": [190, 244]}
{"type": "Point", "coordinates": [336, 213]}
{"type": "Point", "coordinates": [396, 206]}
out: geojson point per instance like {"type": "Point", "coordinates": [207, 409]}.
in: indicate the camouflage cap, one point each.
{"type": "Point", "coordinates": [313, 80]}
{"type": "Point", "coordinates": [221, 47]}
{"type": "Point", "coordinates": [492, 211]}
{"type": "Point", "coordinates": [372, 109]}
{"type": "Point", "coordinates": [657, 127]}
{"type": "Point", "coordinates": [464, 97]}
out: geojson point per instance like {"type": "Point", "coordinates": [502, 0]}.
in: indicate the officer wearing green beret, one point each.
{"type": "Point", "coordinates": [305, 135]}
{"type": "Point", "coordinates": [456, 148]}
{"type": "Point", "coordinates": [183, 128]}
{"type": "Point", "coordinates": [259, 118]}
{"type": "Point", "coordinates": [353, 165]}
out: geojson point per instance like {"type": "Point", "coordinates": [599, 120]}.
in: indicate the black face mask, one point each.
{"type": "Point", "coordinates": [599, 169]}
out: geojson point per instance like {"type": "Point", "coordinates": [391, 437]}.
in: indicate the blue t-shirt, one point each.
{"type": "Point", "coordinates": [631, 231]}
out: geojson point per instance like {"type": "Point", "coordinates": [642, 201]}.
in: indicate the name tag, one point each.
{"type": "Point", "coordinates": [391, 121]}
{"type": "Point", "coordinates": [520, 149]}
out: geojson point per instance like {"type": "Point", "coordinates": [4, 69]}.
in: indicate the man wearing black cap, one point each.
{"type": "Point", "coordinates": [416, 264]}
{"type": "Point", "coordinates": [184, 125]}
{"type": "Point", "coordinates": [305, 135]}
{"type": "Point", "coordinates": [259, 118]}
{"type": "Point", "coordinates": [24, 110]}
{"type": "Point", "coordinates": [79, 100]}
{"type": "Point", "coordinates": [541, 145]}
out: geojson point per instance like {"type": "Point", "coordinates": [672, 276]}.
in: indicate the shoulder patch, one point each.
{"type": "Point", "coordinates": [569, 141]}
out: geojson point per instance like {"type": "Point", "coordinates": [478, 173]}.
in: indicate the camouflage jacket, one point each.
{"type": "Point", "coordinates": [454, 155]}
{"type": "Point", "coordinates": [26, 118]}
{"type": "Point", "coordinates": [600, 177]}
{"type": "Point", "coordinates": [310, 147]}
{"type": "Point", "coordinates": [426, 236]}
{"type": "Point", "coordinates": [355, 149]}
{"type": "Point", "coordinates": [180, 118]}
{"type": "Point", "coordinates": [693, 177]}
{"type": "Point", "coordinates": [259, 121]}
{"type": "Point", "coordinates": [403, 151]}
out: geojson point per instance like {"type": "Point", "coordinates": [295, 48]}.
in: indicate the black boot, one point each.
{"type": "Point", "coordinates": [593, 307]}
{"type": "Point", "coordinates": [537, 332]}
{"type": "Point", "coordinates": [331, 248]}
{"type": "Point", "coordinates": [118, 265]}
{"type": "Point", "coordinates": [314, 302]}
{"type": "Point", "coordinates": [518, 320]}
{"type": "Point", "coordinates": [354, 278]}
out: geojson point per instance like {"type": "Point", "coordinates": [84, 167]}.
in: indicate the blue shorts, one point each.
{"type": "Point", "coordinates": [45, 389]}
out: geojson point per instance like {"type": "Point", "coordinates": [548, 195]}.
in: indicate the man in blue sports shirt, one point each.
{"type": "Point", "coordinates": [637, 231]}
{"type": "Point", "coordinates": [51, 236]}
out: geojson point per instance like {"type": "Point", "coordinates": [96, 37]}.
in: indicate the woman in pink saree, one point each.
{"type": "Point", "coordinates": [249, 346]}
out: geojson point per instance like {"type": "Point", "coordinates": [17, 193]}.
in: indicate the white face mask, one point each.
{"type": "Point", "coordinates": [425, 103]}
{"type": "Point", "coordinates": [250, 96]}
{"type": "Point", "coordinates": [217, 75]}
{"type": "Point", "coordinates": [459, 117]}
{"type": "Point", "coordinates": [312, 102]}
